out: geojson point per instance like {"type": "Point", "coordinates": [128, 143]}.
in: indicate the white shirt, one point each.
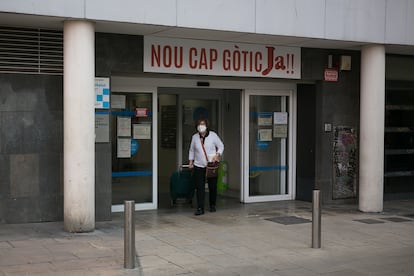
{"type": "Point", "coordinates": [212, 144]}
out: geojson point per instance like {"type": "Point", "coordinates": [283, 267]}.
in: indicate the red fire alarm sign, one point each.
{"type": "Point", "coordinates": [141, 112]}
{"type": "Point", "coordinates": [331, 75]}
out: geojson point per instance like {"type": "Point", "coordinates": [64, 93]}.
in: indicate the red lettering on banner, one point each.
{"type": "Point", "coordinates": [193, 53]}
{"type": "Point", "coordinates": [244, 54]}
{"type": "Point", "coordinates": [213, 57]}
{"type": "Point", "coordinates": [155, 55]}
{"type": "Point", "coordinates": [203, 59]}
{"type": "Point", "coordinates": [226, 60]}
{"type": "Point", "coordinates": [258, 61]}
{"type": "Point", "coordinates": [178, 57]}
{"type": "Point", "coordinates": [167, 56]}
{"type": "Point", "coordinates": [235, 59]}
{"type": "Point", "coordinates": [251, 62]}
{"type": "Point", "coordinates": [277, 63]}
{"type": "Point", "coordinates": [269, 60]}
{"type": "Point", "coordinates": [280, 63]}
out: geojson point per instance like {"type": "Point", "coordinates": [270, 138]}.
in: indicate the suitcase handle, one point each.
{"type": "Point", "coordinates": [184, 166]}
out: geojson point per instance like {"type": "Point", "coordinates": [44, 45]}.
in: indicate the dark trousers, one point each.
{"type": "Point", "coordinates": [200, 180]}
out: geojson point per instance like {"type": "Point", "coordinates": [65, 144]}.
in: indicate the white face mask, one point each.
{"type": "Point", "coordinates": [201, 128]}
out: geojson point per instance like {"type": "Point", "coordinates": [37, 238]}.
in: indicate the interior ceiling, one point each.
{"type": "Point", "coordinates": [19, 20]}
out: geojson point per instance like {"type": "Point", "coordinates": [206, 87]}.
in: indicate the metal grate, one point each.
{"type": "Point", "coordinates": [289, 220]}
{"type": "Point", "coordinates": [31, 51]}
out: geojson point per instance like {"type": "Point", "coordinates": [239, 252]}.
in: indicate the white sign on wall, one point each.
{"type": "Point", "coordinates": [102, 97]}
{"type": "Point", "coordinates": [198, 57]}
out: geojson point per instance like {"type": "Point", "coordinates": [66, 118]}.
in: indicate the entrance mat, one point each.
{"type": "Point", "coordinates": [289, 220]}
{"type": "Point", "coordinates": [396, 219]}
{"type": "Point", "coordinates": [369, 221]}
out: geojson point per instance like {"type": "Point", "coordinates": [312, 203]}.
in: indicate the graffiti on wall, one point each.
{"type": "Point", "coordinates": [345, 162]}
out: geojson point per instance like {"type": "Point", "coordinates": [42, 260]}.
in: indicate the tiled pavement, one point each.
{"type": "Point", "coordinates": [239, 239]}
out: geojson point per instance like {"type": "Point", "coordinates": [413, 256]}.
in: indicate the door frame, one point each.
{"type": "Point", "coordinates": [291, 145]}
{"type": "Point", "coordinates": [148, 84]}
{"type": "Point", "coordinates": [126, 88]}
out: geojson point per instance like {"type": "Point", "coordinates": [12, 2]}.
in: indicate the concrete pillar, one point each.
{"type": "Point", "coordinates": [372, 108]}
{"type": "Point", "coordinates": [79, 126]}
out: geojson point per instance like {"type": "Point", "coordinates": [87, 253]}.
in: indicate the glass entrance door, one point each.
{"type": "Point", "coordinates": [132, 117]}
{"type": "Point", "coordinates": [192, 110]}
{"type": "Point", "coordinates": [178, 110]}
{"type": "Point", "coordinates": [267, 146]}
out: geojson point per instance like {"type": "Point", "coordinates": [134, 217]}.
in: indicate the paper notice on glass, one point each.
{"type": "Point", "coordinates": [265, 120]}
{"type": "Point", "coordinates": [101, 128]}
{"type": "Point", "coordinates": [264, 135]}
{"type": "Point", "coordinates": [280, 118]}
{"type": "Point", "coordinates": [280, 131]}
{"type": "Point", "coordinates": [124, 126]}
{"type": "Point", "coordinates": [118, 101]}
{"type": "Point", "coordinates": [123, 148]}
{"type": "Point", "coordinates": [142, 131]}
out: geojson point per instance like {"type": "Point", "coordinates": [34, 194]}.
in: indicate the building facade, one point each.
{"type": "Point", "coordinates": [98, 101]}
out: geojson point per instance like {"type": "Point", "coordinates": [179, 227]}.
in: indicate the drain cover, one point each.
{"type": "Point", "coordinates": [289, 220]}
{"type": "Point", "coordinates": [396, 219]}
{"type": "Point", "coordinates": [369, 221]}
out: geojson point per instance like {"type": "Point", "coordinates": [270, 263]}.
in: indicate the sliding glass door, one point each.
{"type": "Point", "coordinates": [268, 146]}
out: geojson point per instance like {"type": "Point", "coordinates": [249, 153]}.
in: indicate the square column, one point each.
{"type": "Point", "coordinates": [79, 126]}
{"type": "Point", "coordinates": [372, 112]}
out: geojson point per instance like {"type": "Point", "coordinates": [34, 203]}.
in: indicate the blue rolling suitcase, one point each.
{"type": "Point", "coordinates": [182, 185]}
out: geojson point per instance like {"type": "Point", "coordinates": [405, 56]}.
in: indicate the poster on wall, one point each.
{"type": "Point", "coordinates": [345, 162]}
{"type": "Point", "coordinates": [102, 127]}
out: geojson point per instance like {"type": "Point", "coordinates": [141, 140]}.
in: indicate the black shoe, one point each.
{"type": "Point", "coordinates": [199, 211]}
{"type": "Point", "coordinates": [212, 208]}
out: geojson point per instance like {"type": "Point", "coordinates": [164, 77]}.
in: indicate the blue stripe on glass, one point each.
{"type": "Point", "coordinates": [269, 168]}
{"type": "Point", "coordinates": [102, 112]}
{"type": "Point", "coordinates": [124, 113]}
{"type": "Point", "coordinates": [261, 114]}
{"type": "Point", "coordinates": [134, 173]}
{"type": "Point", "coordinates": [128, 113]}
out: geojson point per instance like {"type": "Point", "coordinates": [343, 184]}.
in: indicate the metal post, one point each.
{"type": "Point", "coordinates": [129, 234]}
{"type": "Point", "coordinates": [316, 219]}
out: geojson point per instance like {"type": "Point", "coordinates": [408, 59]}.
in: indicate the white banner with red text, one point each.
{"type": "Point", "coordinates": [199, 57]}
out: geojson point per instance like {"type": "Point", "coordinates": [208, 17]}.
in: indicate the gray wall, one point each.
{"type": "Point", "coordinates": [118, 54]}
{"type": "Point", "coordinates": [31, 144]}
{"type": "Point", "coordinates": [31, 138]}
{"type": "Point", "coordinates": [336, 103]}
